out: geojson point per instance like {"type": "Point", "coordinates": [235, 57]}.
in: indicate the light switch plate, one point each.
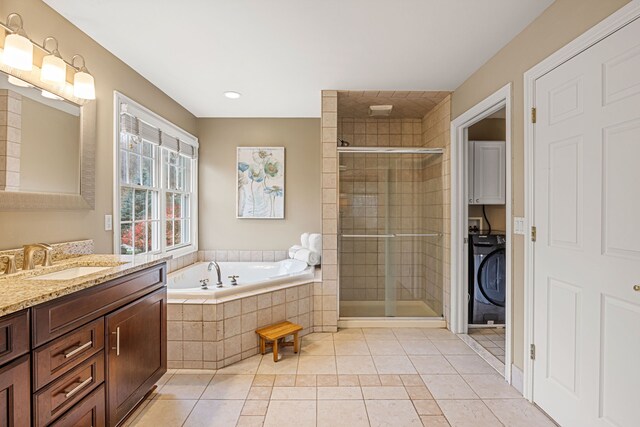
{"type": "Point", "coordinates": [108, 222]}
{"type": "Point", "coordinates": [519, 225]}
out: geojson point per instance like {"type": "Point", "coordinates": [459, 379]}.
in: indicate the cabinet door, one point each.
{"type": "Point", "coordinates": [15, 394]}
{"type": "Point", "coordinates": [489, 172]}
{"type": "Point", "coordinates": [137, 354]}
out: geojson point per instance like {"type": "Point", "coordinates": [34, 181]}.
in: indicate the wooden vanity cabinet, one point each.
{"type": "Point", "coordinates": [15, 394]}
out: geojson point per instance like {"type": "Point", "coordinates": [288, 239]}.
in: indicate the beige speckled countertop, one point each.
{"type": "Point", "coordinates": [22, 290]}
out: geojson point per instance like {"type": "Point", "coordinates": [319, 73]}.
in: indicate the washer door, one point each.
{"type": "Point", "coordinates": [492, 277]}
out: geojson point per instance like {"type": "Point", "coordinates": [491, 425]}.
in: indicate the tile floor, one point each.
{"type": "Point", "coordinates": [356, 377]}
{"type": "Point", "coordinates": [492, 339]}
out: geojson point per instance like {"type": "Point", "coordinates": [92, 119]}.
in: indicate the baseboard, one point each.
{"type": "Point", "coordinates": [385, 322]}
{"type": "Point", "coordinates": [517, 379]}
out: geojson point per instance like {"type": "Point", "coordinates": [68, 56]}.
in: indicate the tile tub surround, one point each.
{"type": "Point", "coordinates": [356, 377]}
{"type": "Point", "coordinates": [235, 255]}
{"type": "Point", "coordinates": [60, 252]}
{"type": "Point", "coordinates": [211, 334]}
{"type": "Point", "coordinates": [23, 289]}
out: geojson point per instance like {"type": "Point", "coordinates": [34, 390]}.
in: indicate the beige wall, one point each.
{"type": "Point", "coordinates": [562, 22]}
{"type": "Point", "coordinates": [219, 227]}
{"type": "Point", "coordinates": [18, 228]}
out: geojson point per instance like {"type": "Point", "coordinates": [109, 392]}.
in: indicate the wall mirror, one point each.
{"type": "Point", "coordinates": [47, 146]}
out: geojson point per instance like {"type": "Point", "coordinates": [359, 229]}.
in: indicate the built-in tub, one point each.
{"type": "Point", "coordinates": [252, 276]}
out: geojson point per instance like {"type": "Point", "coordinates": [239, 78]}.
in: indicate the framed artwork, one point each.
{"type": "Point", "coordinates": [260, 189]}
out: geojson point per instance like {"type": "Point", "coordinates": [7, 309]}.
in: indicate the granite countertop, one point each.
{"type": "Point", "coordinates": [23, 289]}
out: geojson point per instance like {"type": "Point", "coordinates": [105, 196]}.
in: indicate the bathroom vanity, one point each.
{"type": "Point", "coordinates": [82, 351]}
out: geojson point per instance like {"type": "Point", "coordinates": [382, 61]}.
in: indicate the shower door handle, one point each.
{"type": "Point", "coordinates": [370, 236]}
{"type": "Point", "coordinates": [418, 235]}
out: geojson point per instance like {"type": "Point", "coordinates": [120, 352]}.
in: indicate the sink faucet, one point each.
{"type": "Point", "coordinates": [29, 250]}
{"type": "Point", "coordinates": [217, 267]}
{"type": "Point", "coordinates": [10, 268]}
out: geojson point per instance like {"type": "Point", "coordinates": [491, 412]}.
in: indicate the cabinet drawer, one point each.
{"type": "Point", "coordinates": [56, 398]}
{"type": "Point", "coordinates": [90, 412]}
{"type": "Point", "coordinates": [63, 354]}
{"type": "Point", "coordinates": [14, 336]}
{"type": "Point", "coordinates": [55, 318]}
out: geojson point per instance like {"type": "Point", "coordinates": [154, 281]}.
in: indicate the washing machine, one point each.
{"type": "Point", "coordinates": [487, 279]}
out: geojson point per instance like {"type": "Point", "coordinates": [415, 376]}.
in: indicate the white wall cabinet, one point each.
{"type": "Point", "coordinates": [487, 172]}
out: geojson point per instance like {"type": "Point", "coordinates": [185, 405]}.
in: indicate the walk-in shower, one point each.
{"type": "Point", "coordinates": [391, 244]}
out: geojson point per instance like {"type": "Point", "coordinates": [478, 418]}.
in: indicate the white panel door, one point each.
{"type": "Point", "coordinates": [587, 254]}
{"type": "Point", "coordinates": [489, 172]}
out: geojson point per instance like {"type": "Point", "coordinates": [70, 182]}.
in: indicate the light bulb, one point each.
{"type": "Point", "coordinates": [54, 70]}
{"type": "Point", "coordinates": [50, 95]}
{"type": "Point", "coordinates": [84, 85]}
{"type": "Point", "coordinates": [17, 82]}
{"type": "Point", "coordinates": [18, 52]}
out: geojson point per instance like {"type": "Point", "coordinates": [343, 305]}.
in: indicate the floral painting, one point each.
{"type": "Point", "coordinates": [260, 182]}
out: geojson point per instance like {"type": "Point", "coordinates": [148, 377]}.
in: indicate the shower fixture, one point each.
{"type": "Point", "coordinates": [343, 143]}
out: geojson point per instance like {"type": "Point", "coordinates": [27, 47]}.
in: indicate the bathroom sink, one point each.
{"type": "Point", "coordinates": [69, 273]}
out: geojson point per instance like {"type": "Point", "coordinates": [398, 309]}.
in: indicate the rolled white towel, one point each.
{"type": "Point", "coordinates": [305, 255]}
{"type": "Point", "coordinates": [304, 240]}
{"type": "Point", "coordinates": [315, 242]}
{"type": "Point", "coordinates": [293, 249]}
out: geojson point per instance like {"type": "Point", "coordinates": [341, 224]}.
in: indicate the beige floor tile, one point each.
{"type": "Point", "coordinates": [418, 392]}
{"type": "Point", "coordinates": [348, 334]}
{"type": "Point", "coordinates": [452, 347]}
{"type": "Point", "coordinates": [439, 334]}
{"type": "Point", "coordinates": [250, 421]}
{"type": "Point", "coordinates": [281, 413]}
{"type": "Point", "coordinates": [355, 365]}
{"type": "Point", "coordinates": [411, 380]}
{"type": "Point", "coordinates": [316, 364]}
{"type": "Point", "coordinates": [384, 393]}
{"type": "Point", "coordinates": [293, 393]}
{"type": "Point", "coordinates": [255, 407]}
{"type": "Point", "coordinates": [348, 380]}
{"type": "Point", "coordinates": [306, 380]}
{"type": "Point", "coordinates": [226, 413]}
{"type": "Point", "coordinates": [419, 347]}
{"type": "Point", "coordinates": [166, 413]}
{"type": "Point", "coordinates": [287, 365]}
{"type": "Point", "coordinates": [470, 364]}
{"type": "Point", "coordinates": [339, 393]}
{"type": "Point", "coordinates": [378, 334]}
{"type": "Point", "coordinates": [352, 348]}
{"type": "Point", "coordinates": [348, 413]}
{"type": "Point", "coordinates": [318, 336]}
{"type": "Point", "coordinates": [394, 365]}
{"type": "Point", "coordinates": [259, 393]}
{"type": "Point", "coordinates": [318, 348]}
{"type": "Point", "coordinates": [385, 348]}
{"type": "Point", "coordinates": [285, 380]}
{"type": "Point", "coordinates": [518, 413]}
{"type": "Point", "coordinates": [432, 365]}
{"type": "Point", "coordinates": [386, 413]}
{"type": "Point", "coordinates": [263, 380]}
{"type": "Point", "coordinates": [184, 387]}
{"type": "Point", "coordinates": [326, 380]}
{"type": "Point", "coordinates": [434, 421]}
{"type": "Point", "coordinates": [448, 387]}
{"type": "Point", "coordinates": [246, 366]}
{"type": "Point", "coordinates": [408, 333]}
{"type": "Point", "coordinates": [228, 387]}
{"type": "Point", "coordinates": [390, 380]}
{"type": "Point", "coordinates": [367, 380]}
{"type": "Point", "coordinates": [427, 407]}
{"type": "Point", "coordinates": [491, 386]}
{"type": "Point", "coordinates": [468, 413]}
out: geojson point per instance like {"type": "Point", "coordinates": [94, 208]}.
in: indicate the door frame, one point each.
{"type": "Point", "coordinates": [606, 27]}
{"type": "Point", "coordinates": [458, 320]}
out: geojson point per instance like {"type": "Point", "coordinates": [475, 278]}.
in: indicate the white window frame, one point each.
{"type": "Point", "coordinates": [169, 128]}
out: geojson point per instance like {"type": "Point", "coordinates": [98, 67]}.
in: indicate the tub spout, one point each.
{"type": "Point", "coordinates": [215, 265]}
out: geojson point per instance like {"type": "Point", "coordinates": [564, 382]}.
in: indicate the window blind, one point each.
{"type": "Point", "coordinates": [134, 126]}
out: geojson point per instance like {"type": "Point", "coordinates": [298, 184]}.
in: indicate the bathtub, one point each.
{"type": "Point", "coordinates": [252, 276]}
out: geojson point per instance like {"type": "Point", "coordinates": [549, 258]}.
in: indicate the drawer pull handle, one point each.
{"type": "Point", "coordinates": [117, 347]}
{"type": "Point", "coordinates": [76, 389]}
{"type": "Point", "coordinates": [71, 353]}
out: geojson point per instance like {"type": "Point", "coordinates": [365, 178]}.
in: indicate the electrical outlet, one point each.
{"type": "Point", "coordinates": [519, 225]}
{"type": "Point", "coordinates": [108, 222]}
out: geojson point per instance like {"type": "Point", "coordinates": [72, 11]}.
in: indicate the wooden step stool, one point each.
{"type": "Point", "coordinates": [270, 335]}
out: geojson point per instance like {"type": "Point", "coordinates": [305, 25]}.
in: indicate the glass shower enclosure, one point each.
{"type": "Point", "coordinates": [391, 242]}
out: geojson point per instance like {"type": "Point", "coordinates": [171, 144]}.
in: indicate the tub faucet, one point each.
{"type": "Point", "coordinates": [217, 267]}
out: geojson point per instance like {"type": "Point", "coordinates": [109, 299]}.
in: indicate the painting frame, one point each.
{"type": "Point", "coordinates": [260, 183]}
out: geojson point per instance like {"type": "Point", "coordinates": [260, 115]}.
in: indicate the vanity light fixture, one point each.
{"type": "Point", "coordinates": [50, 95]}
{"type": "Point", "coordinates": [17, 82]}
{"type": "Point", "coordinates": [18, 49]}
{"type": "Point", "coordinates": [83, 82]}
{"type": "Point", "coordinates": [54, 69]}
{"type": "Point", "coordinates": [232, 95]}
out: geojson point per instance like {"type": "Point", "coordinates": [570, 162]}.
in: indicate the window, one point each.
{"type": "Point", "coordinates": [156, 191]}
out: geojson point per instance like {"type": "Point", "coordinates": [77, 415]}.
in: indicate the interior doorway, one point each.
{"type": "Point", "coordinates": [481, 229]}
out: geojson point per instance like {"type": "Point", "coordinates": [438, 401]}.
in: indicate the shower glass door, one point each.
{"type": "Point", "coordinates": [391, 221]}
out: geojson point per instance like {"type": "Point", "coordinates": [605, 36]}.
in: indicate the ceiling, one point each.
{"type": "Point", "coordinates": [406, 104]}
{"type": "Point", "coordinates": [281, 53]}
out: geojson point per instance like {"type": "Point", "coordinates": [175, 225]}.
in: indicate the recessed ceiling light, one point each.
{"type": "Point", "coordinates": [232, 95]}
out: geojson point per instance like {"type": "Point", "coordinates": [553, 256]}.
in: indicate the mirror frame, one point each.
{"type": "Point", "coordinates": [85, 199]}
